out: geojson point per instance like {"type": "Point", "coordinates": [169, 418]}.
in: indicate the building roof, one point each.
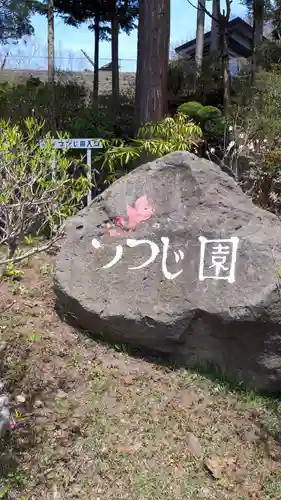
{"type": "Point", "coordinates": [235, 26]}
{"type": "Point", "coordinates": [107, 67]}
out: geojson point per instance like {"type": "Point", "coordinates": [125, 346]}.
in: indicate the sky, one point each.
{"type": "Point", "coordinates": [69, 41]}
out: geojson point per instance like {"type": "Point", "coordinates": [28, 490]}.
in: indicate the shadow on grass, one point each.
{"type": "Point", "coordinates": [271, 401]}
{"type": "Point", "coordinates": [206, 369]}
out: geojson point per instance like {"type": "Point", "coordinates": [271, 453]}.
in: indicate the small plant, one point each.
{"type": "Point", "coordinates": [34, 337]}
{"type": "Point", "coordinates": [28, 239]}
{"type": "Point", "coordinates": [265, 175]}
{"type": "Point", "coordinates": [155, 140]}
{"type": "Point", "coordinates": [12, 273]}
{"type": "Point", "coordinates": [209, 118]}
{"type": "Point", "coordinates": [3, 492]}
{"type": "Point", "coordinates": [190, 109]}
{"type": "Point", "coordinates": [33, 199]}
{"type": "Point", "coordinates": [207, 113]}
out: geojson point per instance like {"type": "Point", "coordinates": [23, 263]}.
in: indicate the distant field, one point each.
{"type": "Point", "coordinates": [127, 80]}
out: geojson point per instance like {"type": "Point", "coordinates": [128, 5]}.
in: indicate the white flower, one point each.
{"type": "Point", "coordinates": [230, 128]}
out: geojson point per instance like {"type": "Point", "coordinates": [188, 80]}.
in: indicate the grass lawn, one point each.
{"type": "Point", "coordinates": [100, 424]}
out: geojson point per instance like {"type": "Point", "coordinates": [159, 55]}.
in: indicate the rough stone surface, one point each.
{"type": "Point", "coordinates": [236, 326]}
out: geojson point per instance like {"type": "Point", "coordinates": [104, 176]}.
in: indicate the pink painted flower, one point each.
{"type": "Point", "coordinates": [140, 212]}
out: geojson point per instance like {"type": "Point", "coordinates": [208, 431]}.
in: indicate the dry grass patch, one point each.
{"type": "Point", "coordinates": [99, 424]}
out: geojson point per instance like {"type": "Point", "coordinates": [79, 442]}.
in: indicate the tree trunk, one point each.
{"type": "Point", "coordinates": [51, 66]}
{"type": "Point", "coordinates": [51, 41]}
{"type": "Point", "coordinates": [225, 74]}
{"type": "Point", "coordinates": [200, 36]}
{"type": "Point", "coordinates": [96, 58]}
{"type": "Point", "coordinates": [224, 55]}
{"type": "Point", "coordinates": [215, 27]}
{"type": "Point", "coordinates": [114, 54]}
{"type": "Point", "coordinates": [153, 61]}
{"type": "Point", "coordinates": [258, 15]}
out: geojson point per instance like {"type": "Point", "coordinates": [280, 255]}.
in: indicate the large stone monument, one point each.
{"type": "Point", "coordinates": [174, 257]}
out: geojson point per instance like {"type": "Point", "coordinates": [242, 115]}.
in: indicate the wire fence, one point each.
{"type": "Point", "coordinates": [62, 63]}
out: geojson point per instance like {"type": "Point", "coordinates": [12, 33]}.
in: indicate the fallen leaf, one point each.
{"type": "Point", "coordinates": [193, 445]}
{"type": "Point", "coordinates": [213, 466]}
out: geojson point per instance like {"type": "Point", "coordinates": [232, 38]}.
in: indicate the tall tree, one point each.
{"type": "Point", "coordinates": [122, 15]}
{"type": "Point", "coordinates": [51, 42]}
{"type": "Point", "coordinates": [106, 18]}
{"type": "Point", "coordinates": [76, 12]}
{"type": "Point", "coordinates": [152, 63]}
{"type": "Point", "coordinates": [265, 15]}
{"type": "Point", "coordinates": [15, 20]}
{"type": "Point", "coordinates": [51, 65]}
{"type": "Point", "coordinates": [200, 36]}
{"type": "Point", "coordinates": [46, 7]}
{"type": "Point", "coordinates": [258, 17]}
{"type": "Point", "coordinates": [221, 23]}
{"type": "Point", "coordinates": [257, 8]}
{"type": "Point", "coordinates": [113, 15]}
{"type": "Point", "coordinates": [97, 33]}
{"type": "Point", "coordinates": [215, 27]}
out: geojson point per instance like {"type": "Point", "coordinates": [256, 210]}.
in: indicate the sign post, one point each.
{"type": "Point", "coordinates": [87, 144]}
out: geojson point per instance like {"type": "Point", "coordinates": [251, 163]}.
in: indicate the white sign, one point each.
{"type": "Point", "coordinates": [75, 143]}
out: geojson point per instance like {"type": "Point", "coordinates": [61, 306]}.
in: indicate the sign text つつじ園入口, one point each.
{"type": "Point", "coordinates": [87, 144]}
{"type": "Point", "coordinates": [75, 143]}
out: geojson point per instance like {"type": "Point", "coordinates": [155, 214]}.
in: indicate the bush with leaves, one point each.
{"type": "Point", "coordinates": [265, 177]}
{"type": "Point", "coordinates": [206, 113]}
{"type": "Point", "coordinates": [100, 119]}
{"type": "Point", "coordinates": [182, 80]}
{"type": "Point", "coordinates": [259, 105]}
{"type": "Point", "coordinates": [32, 198]}
{"type": "Point", "coordinates": [32, 98]}
{"type": "Point", "coordinates": [209, 118]}
{"type": "Point", "coordinates": [153, 141]}
{"type": "Point", "coordinates": [75, 113]}
{"type": "Point", "coordinates": [190, 109]}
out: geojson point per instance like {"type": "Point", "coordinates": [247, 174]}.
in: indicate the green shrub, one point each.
{"type": "Point", "coordinates": [18, 102]}
{"type": "Point", "coordinates": [264, 179]}
{"type": "Point", "coordinates": [154, 140]}
{"type": "Point", "coordinates": [31, 198]}
{"type": "Point", "coordinates": [207, 113]}
{"type": "Point", "coordinates": [190, 109]}
{"type": "Point", "coordinates": [75, 113]}
{"type": "Point", "coordinates": [183, 80]}
{"type": "Point", "coordinates": [104, 120]}
{"type": "Point", "coordinates": [256, 110]}
{"type": "Point", "coordinates": [208, 117]}
{"type": "Point", "coordinates": [212, 123]}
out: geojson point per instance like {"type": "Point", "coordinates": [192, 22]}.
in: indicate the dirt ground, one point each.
{"type": "Point", "coordinates": [96, 423]}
